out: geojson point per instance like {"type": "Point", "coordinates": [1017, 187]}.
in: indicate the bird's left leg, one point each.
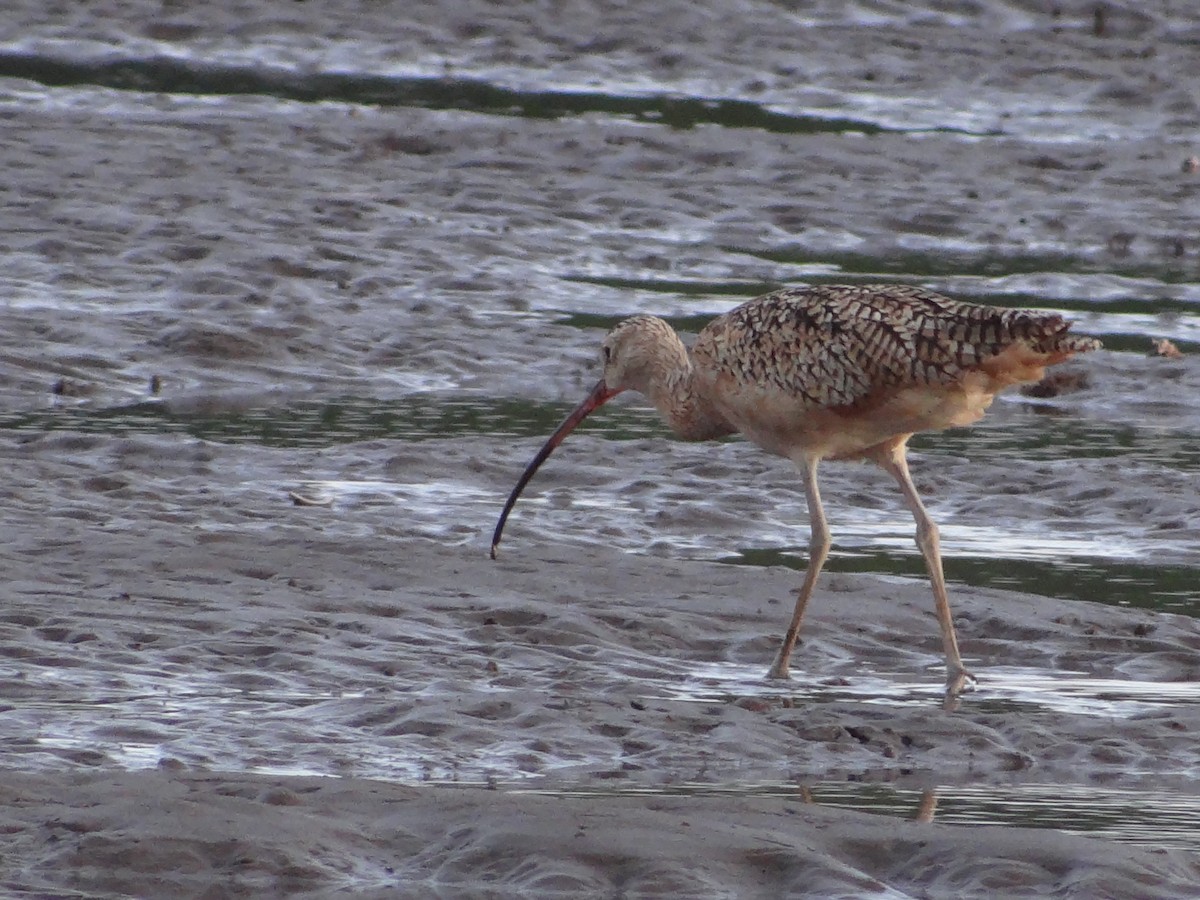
{"type": "Point", "coordinates": [818, 551]}
{"type": "Point", "coordinates": [893, 459]}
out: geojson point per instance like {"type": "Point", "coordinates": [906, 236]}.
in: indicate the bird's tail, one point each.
{"type": "Point", "coordinates": [1029, 342]}
{"type": "Point", "coordinates": [1049, 334]}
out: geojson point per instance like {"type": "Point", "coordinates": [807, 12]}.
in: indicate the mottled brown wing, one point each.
{"type": "Point", "coordinates": [837, 345]}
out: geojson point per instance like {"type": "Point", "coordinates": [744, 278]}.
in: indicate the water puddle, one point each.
{"type": "Point", "coordinates": [299, 731]}
{"type": "Point", "coordinates": [363, 70]}
{"type": "Point", "coordinates": [419, 416]}
{"type": "Point", "coordinates": [1136, 816]}
{"type": "Point", "coordinates": [1025, 433]}
{"type": "Point", "coordinates": [155, 720]}
{"type": "Point", "coordinates": [1100, 579]}
{"type": "Point", "coordinates": [1038, 281]}
{"type": "Point", "coordinates": [417, 496]}
{"type": "Point", "coordinates": [1121, 305]}
{"type": "Point", "coordinates": [407, 735]}
{"type": "Point", "coordinates": [1071, 544]}
{"type": "Point", "coordinates": [175, 75]}
{"type": "Point", "coordinates": [1000, 689]}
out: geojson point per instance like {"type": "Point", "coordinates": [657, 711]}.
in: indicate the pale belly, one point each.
{"type": "Point", "coordinates": [782, 426]}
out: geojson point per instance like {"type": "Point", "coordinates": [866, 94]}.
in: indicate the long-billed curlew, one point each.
{"type": "Point", "coordinates": [831, 372]}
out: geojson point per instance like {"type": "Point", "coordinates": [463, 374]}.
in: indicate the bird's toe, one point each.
{"type": "Point", "coordinates": [958, 680]}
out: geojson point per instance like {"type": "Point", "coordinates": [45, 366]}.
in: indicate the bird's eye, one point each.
{"type": "Point", "coordinates": [608, 354]}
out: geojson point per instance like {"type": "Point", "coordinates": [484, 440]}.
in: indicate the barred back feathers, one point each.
{"type": "Point", "coordinates": [836, 346]}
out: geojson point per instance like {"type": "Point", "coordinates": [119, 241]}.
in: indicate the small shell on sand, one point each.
{"type": "Point", "coordinates": [1165, 348]}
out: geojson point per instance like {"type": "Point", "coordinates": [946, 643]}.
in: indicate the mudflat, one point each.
{"type": "Point", "coordinates": [270, 367]}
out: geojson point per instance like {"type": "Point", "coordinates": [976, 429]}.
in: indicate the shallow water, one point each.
{"type": "Point", "coordinates": [274, 725]}
{"type": "Point", "coordinates": [1006, 688]}
{"type": "Point", "coordinates": [1154, 818]}
{"type": "Point", "coordinates": [1054, 554]}
{"type": "Point", "coordinates": [332, 260]}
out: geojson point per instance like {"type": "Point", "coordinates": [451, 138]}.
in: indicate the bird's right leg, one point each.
{"type": "Point", "coordinates": [818, 551]}
{"type": "Point", "coordinates": [893, 460]}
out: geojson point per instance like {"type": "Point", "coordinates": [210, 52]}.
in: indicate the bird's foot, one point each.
{"type": "Point", "coordinates": [958, 681]}
{"type": "Point", "coordinates": [779, 670]}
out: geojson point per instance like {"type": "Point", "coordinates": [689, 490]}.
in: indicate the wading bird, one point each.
{"type": "Point", "coordinates": [831, 372]}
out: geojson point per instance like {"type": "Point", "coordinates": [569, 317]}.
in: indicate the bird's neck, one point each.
{"type": "Point", "coordinates": [683, 407]}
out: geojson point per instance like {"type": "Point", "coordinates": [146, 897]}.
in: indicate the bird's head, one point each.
{"type": "Point", "coordinates": [638, 351]}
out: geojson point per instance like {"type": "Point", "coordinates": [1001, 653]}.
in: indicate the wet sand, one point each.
{"type": "Point", "coordinates": [175, 835]}
{"type": "Point", "coordinates": [208, 690]}
{"type": "Point", "coordinates": [595, 670]}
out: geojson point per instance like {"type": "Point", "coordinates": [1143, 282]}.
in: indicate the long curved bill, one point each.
{"type": "Point", "coordinates": [600, 395]}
